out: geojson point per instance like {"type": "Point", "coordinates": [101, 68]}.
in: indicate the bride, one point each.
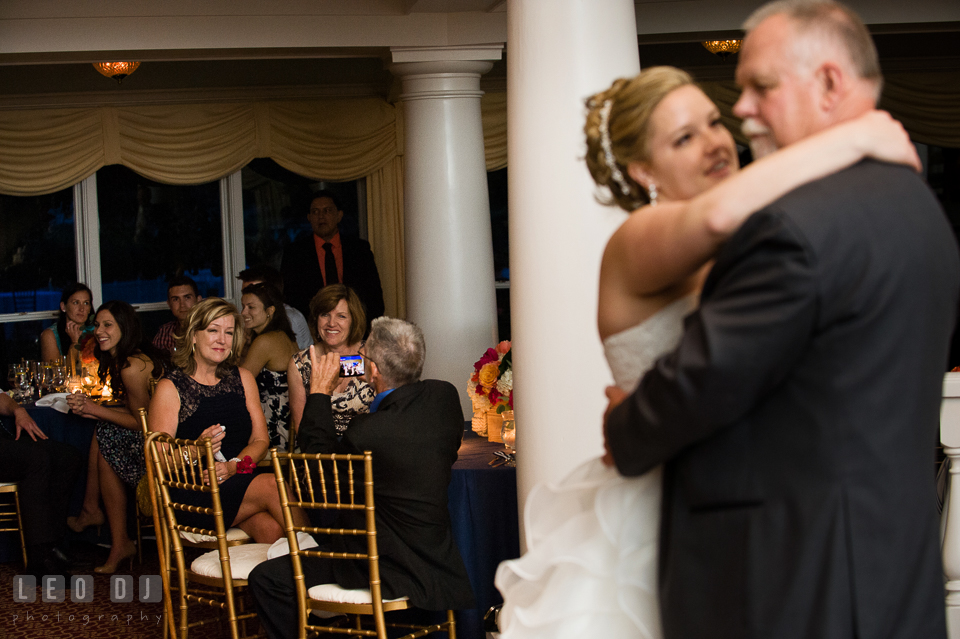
{"type": "Point", "coordinates": [656, 143]}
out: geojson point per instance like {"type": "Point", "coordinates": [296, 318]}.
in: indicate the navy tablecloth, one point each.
{"type": "Point", "coordinates": [483, 512]}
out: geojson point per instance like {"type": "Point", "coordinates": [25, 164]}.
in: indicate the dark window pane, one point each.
{"type": "Point", "coordinates": [19, 340]}
{"type": "Point", "coordinates": [150, 232]}
{"type": "Point", "coordinates": [275, 205]}
{"type": "Point", "coordinates": [37, 252]}
{"type": "Point", "coordinates": [497, 191]}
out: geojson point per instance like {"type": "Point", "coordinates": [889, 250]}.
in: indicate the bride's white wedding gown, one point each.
{"type": "Point", "coordinates": [590, 569]}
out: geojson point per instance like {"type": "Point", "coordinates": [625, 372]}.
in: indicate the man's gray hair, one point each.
{"type": "Point", "coordinates": [831, 22]}
{"type": "Point", "coordinates": [398, 350]}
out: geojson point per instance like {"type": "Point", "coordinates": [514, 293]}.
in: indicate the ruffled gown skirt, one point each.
{"type": "Point", "coordinates": [590, 569]}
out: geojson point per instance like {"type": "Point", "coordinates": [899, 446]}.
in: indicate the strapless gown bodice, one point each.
{"type": "Point", "coordinates": [590, 569]}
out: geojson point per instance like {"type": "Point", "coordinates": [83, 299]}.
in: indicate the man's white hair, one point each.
{"type": "Point", "coordinates": [823, 24]}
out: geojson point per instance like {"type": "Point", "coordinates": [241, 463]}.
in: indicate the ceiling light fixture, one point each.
{"type": "Point", "coordinates": [116, 70]}
{"type": "Point", "coordinates": [722, 48]}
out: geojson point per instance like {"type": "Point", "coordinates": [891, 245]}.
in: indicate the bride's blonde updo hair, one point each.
{"type": "Point", "coordinates": [618, 122]}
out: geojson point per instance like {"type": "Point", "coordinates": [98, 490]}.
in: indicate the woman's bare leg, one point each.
{"type": "Point", "coordinates": [115, 503]}
{"type": "Point", "coordinates": [262, 498]}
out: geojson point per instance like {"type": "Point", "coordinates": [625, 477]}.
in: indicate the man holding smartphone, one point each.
{"type": "Point", "coordinates": [419, 558]}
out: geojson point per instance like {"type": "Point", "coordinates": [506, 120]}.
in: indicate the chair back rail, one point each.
{"type": "Point", "coordinates": [188, 465]}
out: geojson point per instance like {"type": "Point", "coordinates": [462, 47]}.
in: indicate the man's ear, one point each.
{"type": "Point", "coordinates": [832, 83]}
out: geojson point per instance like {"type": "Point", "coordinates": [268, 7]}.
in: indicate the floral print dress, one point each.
{"type": "Point", "coordinates": [354, 400]}
{"type": "Point", "coordinates": [275, 401]}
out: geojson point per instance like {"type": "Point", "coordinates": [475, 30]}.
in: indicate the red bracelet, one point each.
{"type": "Point", "coordinates": [246, 465]}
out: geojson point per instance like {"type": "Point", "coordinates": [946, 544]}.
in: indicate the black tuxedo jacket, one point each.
{"type": "Point", "coordinates": [798, 419]}
{"type": "Point", "coordinates": [302, 277]}
{"type": "Point", "coordinates": [414, 437]}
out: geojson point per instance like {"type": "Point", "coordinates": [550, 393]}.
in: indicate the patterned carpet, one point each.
{"type": "Point", "coordinates": [98, 619]}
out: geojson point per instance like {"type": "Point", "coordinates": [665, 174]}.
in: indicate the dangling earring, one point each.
{"type": "Point", "coordinates": [652, 192]}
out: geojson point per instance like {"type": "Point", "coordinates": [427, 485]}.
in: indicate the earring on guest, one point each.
{"type": "Point", "coordinates": [652, 192]}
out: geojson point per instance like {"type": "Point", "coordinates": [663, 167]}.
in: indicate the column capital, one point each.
{"type": "Point", "coordinates": [473, 52]}
{"type": "Point", "coordinates": [442, 72]}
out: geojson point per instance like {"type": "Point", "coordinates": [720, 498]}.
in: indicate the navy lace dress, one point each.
{"type": "Point", "coordinates": [201, 407]}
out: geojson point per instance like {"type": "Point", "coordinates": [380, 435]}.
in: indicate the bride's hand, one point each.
{"type": "Point", "coordinates": [615, 396]}
{"type": "Point", "coordinates": [883, 138]}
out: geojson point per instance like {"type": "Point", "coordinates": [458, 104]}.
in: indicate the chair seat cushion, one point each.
{"type": "Point", "coordinates": [233, 534]}
{"type": "Point", "coordinates": [243, 559]}
{"type": "Point", "coordinates": [336, 594]}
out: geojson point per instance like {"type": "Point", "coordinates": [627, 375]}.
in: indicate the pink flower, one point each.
{"type": "Point", "coordinates": [494, 396]}
{"type": "Point", "coordinates": [503, 347]}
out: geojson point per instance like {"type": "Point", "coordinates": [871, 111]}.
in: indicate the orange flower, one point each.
{"type": "Point", "coordinates": [489, 374]}
{"type": "Point", "coordinates": [503, 347]}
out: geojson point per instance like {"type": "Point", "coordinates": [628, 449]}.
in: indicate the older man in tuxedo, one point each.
{"type": "Point", "coordinates": [797, 419]}
{"type": "Point", "coordinates": [414, 430]}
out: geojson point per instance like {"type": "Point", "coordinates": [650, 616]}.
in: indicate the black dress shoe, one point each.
{"type": "Point", "coordinates": [46, 562]}
{"type": "Point", "coordinates": [71, 560]}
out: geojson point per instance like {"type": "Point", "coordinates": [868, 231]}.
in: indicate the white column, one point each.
{"type": "Point", "coordinates": [560, 52]}
{"type": "Point", "coordinates": [950, 522]}
{"type": "Point", "coordinates": [448, 245]}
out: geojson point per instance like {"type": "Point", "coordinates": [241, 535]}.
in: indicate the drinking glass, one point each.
{"type": "Point", "coordinates": [12, 372]}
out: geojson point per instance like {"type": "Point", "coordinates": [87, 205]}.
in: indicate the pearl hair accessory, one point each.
{"type": "Point", "coordinates": [605, 144]}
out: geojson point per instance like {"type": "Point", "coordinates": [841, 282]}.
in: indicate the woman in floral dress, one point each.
{"type": "Point", "coordinates": [116, 453]}
{"type": "Point", "coordinates": [271, 346]}
{"type": "Point", "coordinates": [338, 323]}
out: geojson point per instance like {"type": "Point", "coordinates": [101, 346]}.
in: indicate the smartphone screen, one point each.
{"type": "Point", "coordinates": [351, 366]}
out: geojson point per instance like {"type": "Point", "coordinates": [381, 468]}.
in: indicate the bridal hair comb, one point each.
{"type": "Point", "coordinates": [605, 144]}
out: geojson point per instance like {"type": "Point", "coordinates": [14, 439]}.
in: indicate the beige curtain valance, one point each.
{"type": "Point", "coordinates": [493, 111]}
{"type": "Point", "coordinates": [42, 151]}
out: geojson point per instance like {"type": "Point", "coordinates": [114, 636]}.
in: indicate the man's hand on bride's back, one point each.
{"type": "Point", "coordinates": [614, 396]}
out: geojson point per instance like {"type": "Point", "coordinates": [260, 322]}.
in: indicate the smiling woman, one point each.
{"type": "Point", "coordinates": [338, 323]}
{"type": "Point", "coordinates": [116, 454]}
{"type": "Point", "coordinates": [268, 355]}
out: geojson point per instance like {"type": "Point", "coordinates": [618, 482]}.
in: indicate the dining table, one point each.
{"type": "Point", "coordinates": [482, 500]}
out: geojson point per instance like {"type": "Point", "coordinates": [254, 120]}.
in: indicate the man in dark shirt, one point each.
{"type": "Point", "coordinates": [182, 295]}
{"type": "Point", "coordinates": [418, 557]}
{"type": "Point", "coordinates": [326, 257]}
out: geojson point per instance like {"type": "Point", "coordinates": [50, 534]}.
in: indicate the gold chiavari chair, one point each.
{"type": "Point", "coordinates": [10, 520]}
{"type": "Point", "coordinates": [343, 484]}
{"type": "Point", "coordinates": [217, 578]}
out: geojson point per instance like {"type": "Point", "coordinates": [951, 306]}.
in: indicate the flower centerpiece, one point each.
{"type": "Point", "coordinates": [491, 386]}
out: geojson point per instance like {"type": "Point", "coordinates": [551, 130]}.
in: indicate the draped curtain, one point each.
{"type": "Point", "coordinates": [46, 150]}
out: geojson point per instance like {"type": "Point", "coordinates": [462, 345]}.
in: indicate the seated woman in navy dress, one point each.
{"type": "Point", "coordinates": [207, 395]}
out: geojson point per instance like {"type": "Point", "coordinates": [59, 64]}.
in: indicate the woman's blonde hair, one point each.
{"type": "Point", "coordinates": [619, 119]}
{"type": "Point", "coordinates": [201, 316]}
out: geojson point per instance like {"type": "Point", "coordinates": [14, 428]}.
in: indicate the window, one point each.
{"type": "Point", "coordinates": [150, 232]}
{"type": "Point", "coordinates": [275, 205]}
{"type": "Point", "coordinates": [125, 235]}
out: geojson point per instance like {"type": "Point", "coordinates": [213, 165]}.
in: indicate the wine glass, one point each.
{"type": "Point", "coordinates": [25, 384]}
{"type": "Point", "coordinates": [12, 372]}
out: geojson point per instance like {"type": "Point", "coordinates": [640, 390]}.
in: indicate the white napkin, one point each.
{"type": "Point", "coordinates": [56, 401]}
{"type": "Point", "coordinates": [281, 547]}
